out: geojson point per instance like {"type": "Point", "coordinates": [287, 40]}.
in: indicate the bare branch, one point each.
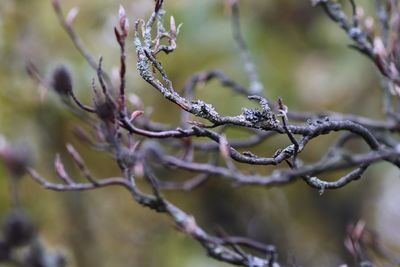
{"type": "Point", "coordinates": [76, 40]}
{"type": "Point", "coordinates": [256, 86]}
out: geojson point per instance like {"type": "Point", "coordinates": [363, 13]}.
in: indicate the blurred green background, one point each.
{"type": "Point", "coordinates": [301, 56]}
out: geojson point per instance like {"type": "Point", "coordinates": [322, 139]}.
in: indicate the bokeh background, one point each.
{"type": "Point", "coordinates": [301, 56]}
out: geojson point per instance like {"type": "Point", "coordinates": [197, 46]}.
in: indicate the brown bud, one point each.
{"type": "Point", "coordinates": [4, 252]}
{"type": "Point", "coordinates": [56, 3]}
{"type": "Point", "coordinates": [106, 111]}
{"type": "Point", "coordinates": [123, 21]}
{"type": "Point", "coordinates": [61, 81]}
{"type": "Point", "coordinates": [16, 158]}
{"type": "Point", "coordinates": [18, 229]}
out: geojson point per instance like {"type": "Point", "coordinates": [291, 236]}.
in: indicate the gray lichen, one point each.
{"type": "Point", "coordinates": [263, 119]}
{"type": "Point", "coordinates": [204, 110]}
{"type": "Point", "coordinates": [142, 65]}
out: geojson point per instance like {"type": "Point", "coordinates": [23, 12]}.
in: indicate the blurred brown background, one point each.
{"type": "Point", "coordinates": [300, 56]}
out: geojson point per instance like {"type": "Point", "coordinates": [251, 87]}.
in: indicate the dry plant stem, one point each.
{"type": "Point", "coordinates": [362, 41]}
{"type": "Point", "coordinates": [350, 177]}
{"type": "Point", "coordinates": [122, 76]}
{"type": "Point", "coordinates": [81, 164]}
{"type": "Point", "coordinates": [382, 50]}
{"type": "Point", "coordinates": [205, 77]}
{"type": "Point", "coordinates": [80, 104]}
{"type": "Point", "coordinates": [285, 176]}
{"type": "Point", "coordinates": [335, 116]}
{"type": "Point", "coordinates": [251, 141]}
{"type": "Point", "coordinates": [103, 85]}
{"type": "Point", "coordinates": [295, 116]}
{"type": "Point", "coordinates": [78, 186]}
{"type": "Point", "coordinates": [76, 40]}
{"type": "Point", "coordinates": [186, 223]}
{"type": "Point", "coordinates": [136, 142]}
{"type": "Point", "coordinates": [121, 36]}
{"type": "Point", "coordinates": [256, 86]}
{"type": "Point", "coordinates": [283, 113]}
{"type": "Point", "coordinates": [311, 131]}
{"type": "Point", "coordinates": [34, 73]}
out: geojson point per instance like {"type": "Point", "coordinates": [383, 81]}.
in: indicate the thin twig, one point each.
{"type": "Point", "coordinates": [256, 86]}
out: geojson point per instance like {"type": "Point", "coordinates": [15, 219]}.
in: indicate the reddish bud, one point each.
{"type": "Point", "coordinates": [379, 48]}
{"type": "Point", "coordinates": [123, 21]}
{"type": "Point", "coordinates": [56, 3]}
{"type": "Point", "coordinates": [173, 25]}
{"type": "Point", "coordinates": [136, 114]}
{"type": "Point", "coordinates": [358, 230]}
{"type": "Point", "coordinates": [224, 146]}
{"type": "Point", "coordinates": [72, 15]}
{"type": "Point", "coordinates": [138, 170]}
{"type": "Point", "coordinates": [369, 24]}
{"type": "Point", "coordinates": [394, 73]}
{"type": "Point", "coordinates": [16, 158]}
{"type": "Point", "coordinates": [126, 27]}
{"type": "Point", "coordinates": [121, 13]}
{"type": "Point", "coordinates": [360, 13]}
{"type": "Point", "coordinates": [75, 155]}
{"type": "Point", "coordinates": [60, 170]}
